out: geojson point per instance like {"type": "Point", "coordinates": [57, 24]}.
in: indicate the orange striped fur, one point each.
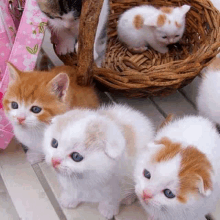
{"type": "Point", "coordinates": [194, 164]}
{"type": "Point", "coordinates": [35, 87]}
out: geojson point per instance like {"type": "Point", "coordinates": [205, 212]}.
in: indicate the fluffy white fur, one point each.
{"type": "Point", "coordinates": [209, 95]}
{"type": "Point", "coordinates": [150, 34]}
{"type": "Point", "coordinates": [65, 34]}
{"type": "Point", "coordinates": [99, 176]}
{"type": "Point", "coordinates": [30, 133]}
{"type": "Point", "coordinates": [191, 130]}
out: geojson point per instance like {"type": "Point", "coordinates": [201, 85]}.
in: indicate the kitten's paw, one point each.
{"type": "Point", "coordinates": [34, 157]}
{"type": "Point", "coordinates": [65, 46]}
{"type": "Point", "coordinates": [138, 49]}
{"type": "Point", "coordinates": [68, 204]}
{"type": "Point", "coordinates": [108, 210]}
{"type": "Point", "coordinates": [76, 47]}
{"type": "Point", "coordinates": [163, 50]}
{"type": "Point", "coordinates": [129, 199]}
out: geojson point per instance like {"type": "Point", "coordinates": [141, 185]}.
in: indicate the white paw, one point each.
{"type": "Point", "coordinates": [163, 50]}
{"type": "Point", "coordinates": [76, 47]}
{"type": "Point", "coordinates": [108, 210]}
{"type": "Point", "coordinates": [138, 49]}
{"type": "Point", "coordinates": [67, 202]}
{"type": "Point", "coordinates": [129, 199]}
{"type": "Point", "coordinates": [65, 46]}
{"type": "Point", "coordinates": [34, 157]}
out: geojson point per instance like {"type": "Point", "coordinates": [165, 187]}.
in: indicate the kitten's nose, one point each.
{"type": "Point", "coordinates": [21, 120]}
{"type": "Point", "coordinates": [147, 195]}
{"type": "Point", "coordinates": [171, 41]}
{"type": "Point", "coordinates": [67, 25]}
{"type": "Point", "coordinates": [55, 162]}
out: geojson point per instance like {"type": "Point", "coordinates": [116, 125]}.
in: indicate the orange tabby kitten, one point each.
{"type": "Point", "coordinates": [34, 98]}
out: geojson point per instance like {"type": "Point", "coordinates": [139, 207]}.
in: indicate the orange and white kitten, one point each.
{"type": "Point", "coordinates": [146, 25]}
{"type": "Point", "coordinates": [34, 98]}
{"type": "Point", "coordinates": [178, 177]}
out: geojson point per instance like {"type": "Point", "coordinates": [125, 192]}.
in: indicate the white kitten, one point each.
{"type": "Point", "coordinates": [92, 151]}
{"type": "Point", "coordinates": [209, 95]}
{"type": "Point", "coordinates": [178, 176]}
{"type": "Point", "coordinates": [145, 25]}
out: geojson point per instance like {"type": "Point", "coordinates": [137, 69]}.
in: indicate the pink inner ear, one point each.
{"type": "Point", "coordinates": [60, 84]}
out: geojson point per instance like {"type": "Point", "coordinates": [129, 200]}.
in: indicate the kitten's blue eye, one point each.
{"type": "Point", "coordinates": [54, 143]}
{"type": "Point", "coordinates": [177, 35]}
{"type": "Point", "coordinates": [168, 193]}
{"type": "Point", "coordinates": [14, 105]}
{"type": "Point", "coordinates": [36, 109]}
{"type": "Point", "coordinates": [147, 174]}
{"type": "Point", "coordinates": [164, 37]}
{"type": "Point", "coordinates": [76, 157]}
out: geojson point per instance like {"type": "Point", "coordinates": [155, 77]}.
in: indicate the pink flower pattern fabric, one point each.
{"type": "Point", "coordinates": [22, 51]}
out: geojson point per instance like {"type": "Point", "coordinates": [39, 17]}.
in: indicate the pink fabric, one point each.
{"type": "Point", "coordinates": [23, 55]}
{"type": "Point", "coordinates": [7, 35]}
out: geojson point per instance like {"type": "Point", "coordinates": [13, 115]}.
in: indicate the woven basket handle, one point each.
{"type": "Point", "coordinates": [87, 29]}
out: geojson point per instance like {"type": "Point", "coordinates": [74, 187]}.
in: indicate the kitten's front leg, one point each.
{"type": "Point", "coordinates": [64, 41]}
{"type": "Point", "coordinates": [34, 157]}
{"type": "Point", "coordinates": [68, 201]}
{"type": "Point", "coordinates": [159, 47]}
{"type": "Point", "coordinates": [109, 209]}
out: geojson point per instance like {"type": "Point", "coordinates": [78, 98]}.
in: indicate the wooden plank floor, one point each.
{"type": "Point", "coordinates": [32, 192]}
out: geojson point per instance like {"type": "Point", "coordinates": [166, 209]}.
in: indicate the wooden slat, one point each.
{"type": "Point", "coordinates": [176, 104]}
{"type": "Point", "coordinates": [191, 90]}
{"type": "Point", "coordinates": [132, 212]}
{"type": "Point", "coordinates": [143, 105]}
{"type": "Point", "coordinates": [24, 188]}
{"type": "Point", "coordinates": [7, 209]}
{"type": "Point", "coordinates": [83, 211]}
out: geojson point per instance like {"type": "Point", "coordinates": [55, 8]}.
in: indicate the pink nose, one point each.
{"type": "Point", "coordinates": [147, 195]}
{"type": "Point", "coordinates": [21, 120]}
{"type": "Point", "coordinates": [55, 162]}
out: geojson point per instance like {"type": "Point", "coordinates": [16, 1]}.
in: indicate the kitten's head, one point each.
{"type": "Point", "coordinates": [62, 13]}
{"type": "Point", "coordinates": [33, 98]}
{"type": "Point", "coordinates": [83, 144]}
{"type": "Point", "coordinates": [168, 176]}
{"type": "Point", "coordinates": [169, 25]}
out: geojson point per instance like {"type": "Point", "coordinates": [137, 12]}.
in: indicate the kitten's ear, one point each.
{"type": "Point", "coordinates": [59, 85]}
{"type": "Point", "coordinates": [115, 144]}
{"type": "Point", "coordinates": [14, 73]}
{"type": "Point", "coordinates": [184, 9]}
{"type": "Point", "coordinates": [114, 150]}
{"type": "Point", "coordinates": [201, 187]}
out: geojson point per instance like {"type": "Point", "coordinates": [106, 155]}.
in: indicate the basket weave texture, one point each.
{"type": "Point", "coordinates": [152, 73]}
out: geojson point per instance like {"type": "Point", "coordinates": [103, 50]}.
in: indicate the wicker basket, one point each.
{"type": "Point", "coordinates": [149, 73]}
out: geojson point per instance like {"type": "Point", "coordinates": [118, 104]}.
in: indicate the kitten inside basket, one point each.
{"type": "Point", "coordinates": [64, 18]}
{"type": "Point", "coordinates": [146, 25]}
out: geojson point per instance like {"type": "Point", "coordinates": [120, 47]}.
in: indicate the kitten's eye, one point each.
{"type": "Point", "coordinates": [177, 35]}
{"type": "Point", "coordinates": [54, 143]}
{"type": "Point", "coordinates": [76, 157]}
{"type": "Point", "coordinates": [168, 193]}
{"type": "Point", "coordinates": [48, 15]}
{"type": "Point", "coordinates": [36, 109]}
{"type": "Point", "coordinates": [164, 37]}
{"type": "Point", "coordinates": [14, 105]}
{"type": "Point", "coordinates": [147, 174]}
